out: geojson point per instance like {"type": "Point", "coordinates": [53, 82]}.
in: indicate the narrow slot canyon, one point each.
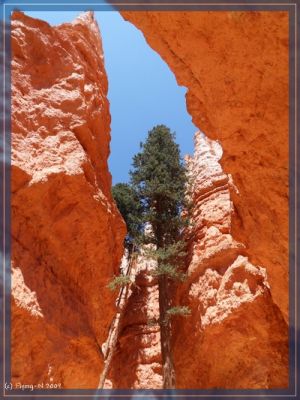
{"type": "Point", "coordinates": [68, 234]}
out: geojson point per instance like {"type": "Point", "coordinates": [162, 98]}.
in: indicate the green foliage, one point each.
{"type": "Point", "coordinates": [170, 271]}
{"type": "Point", "coordinates": [165, 269]}
{"type": "Point", "coordinates": [118, 282]}
{"type": "Point", "coordinates": [174, 250]}
{"type": "Point", "coordinates": [129, 206]}
{"type": "Point", "coordinates": [159, 179]}
{"type": "Point", "coordinates": [170, 260]}
{"type": "Point", "coordinates": [182, 311]}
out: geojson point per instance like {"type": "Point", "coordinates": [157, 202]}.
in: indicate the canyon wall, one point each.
{"type": "Point", "coordinates": [235, 68]}
{"type": "Point", "coordinates": [236, 337]}
{"type": "Point", "coordinates": [67, 234]}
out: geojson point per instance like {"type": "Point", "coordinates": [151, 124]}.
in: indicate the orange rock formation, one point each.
{"type": "Point", "coordinates": [235, 67]}
{"type": "Point", "coordinates": [137, 362]}
{"type": "Point", "coordinates": [67, 233]}
{"type": "Point", "coordinates": [236, 336]}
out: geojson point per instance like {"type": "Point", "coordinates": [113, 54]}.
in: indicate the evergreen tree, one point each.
{"type": "Point", "coordinates": [129, 206]}
{"type": "Point", "coordinates": [158, 177]}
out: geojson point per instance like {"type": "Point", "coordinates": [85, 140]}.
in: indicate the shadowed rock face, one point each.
{"type": "Point", "coordinates": [235, 67]}
{"type": "Point", "coordinates": [67, 233]}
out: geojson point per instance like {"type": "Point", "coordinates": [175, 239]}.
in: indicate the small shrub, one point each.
{"type": "Point", "coordinates": [182, 311]}
{"type": "Point", "coordinates": [170, 271]}
{"type": "Point", "coordinates": [118, 282]}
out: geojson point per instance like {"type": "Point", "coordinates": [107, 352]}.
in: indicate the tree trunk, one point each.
{"type": "Point", "coordinates": [165, 334]}
{"type": "Point", "coordinates": [116, 323]}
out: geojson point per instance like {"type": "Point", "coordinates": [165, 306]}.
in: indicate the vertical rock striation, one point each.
{"type": "Point", "coordinates": [236, 336]}
{"type": "Point", "coordinates": [67, 234]}
{"type": "Point", "coordinates": [137, 362]}
{"type": "Point", "coordinates": [235, 67]}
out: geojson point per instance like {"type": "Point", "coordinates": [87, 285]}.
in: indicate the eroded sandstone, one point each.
{"type": "Point", "coordinates": [236, 336]}
{"type": "Point", "coordinates": [67, 233]}
{"type": "Point", "coordinates": [235, 68]}
{"type": "Point", "coordinates": [137, 361]}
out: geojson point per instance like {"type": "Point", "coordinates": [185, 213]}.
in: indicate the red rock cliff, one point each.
{"type": "Point", "coordinates": [235, 67]}
{"type": "Point", "coordinates": [67, 233]}
{"type": "Point", "coordinates": [236, 336]}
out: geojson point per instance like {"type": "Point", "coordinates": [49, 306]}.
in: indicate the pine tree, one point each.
{"type": "Point", "coordinates": [129, 206]}
{"type": "Point", "coordinates": [159, 179]}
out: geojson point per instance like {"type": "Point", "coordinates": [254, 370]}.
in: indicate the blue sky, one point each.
{"type": "Point", "coordinates": [142, 90]}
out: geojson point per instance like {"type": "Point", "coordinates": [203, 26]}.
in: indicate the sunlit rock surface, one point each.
{"type": "Point", "coordinates": [137, 360]}
{"type": "Point", "coordinates": [236, 336]}
{"type": "Point", "coordinates": [67, 234]}
{"type": "Point", "coordinates": [235, 67]}
{"type": "Point", "coordinates": [66, 231]}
